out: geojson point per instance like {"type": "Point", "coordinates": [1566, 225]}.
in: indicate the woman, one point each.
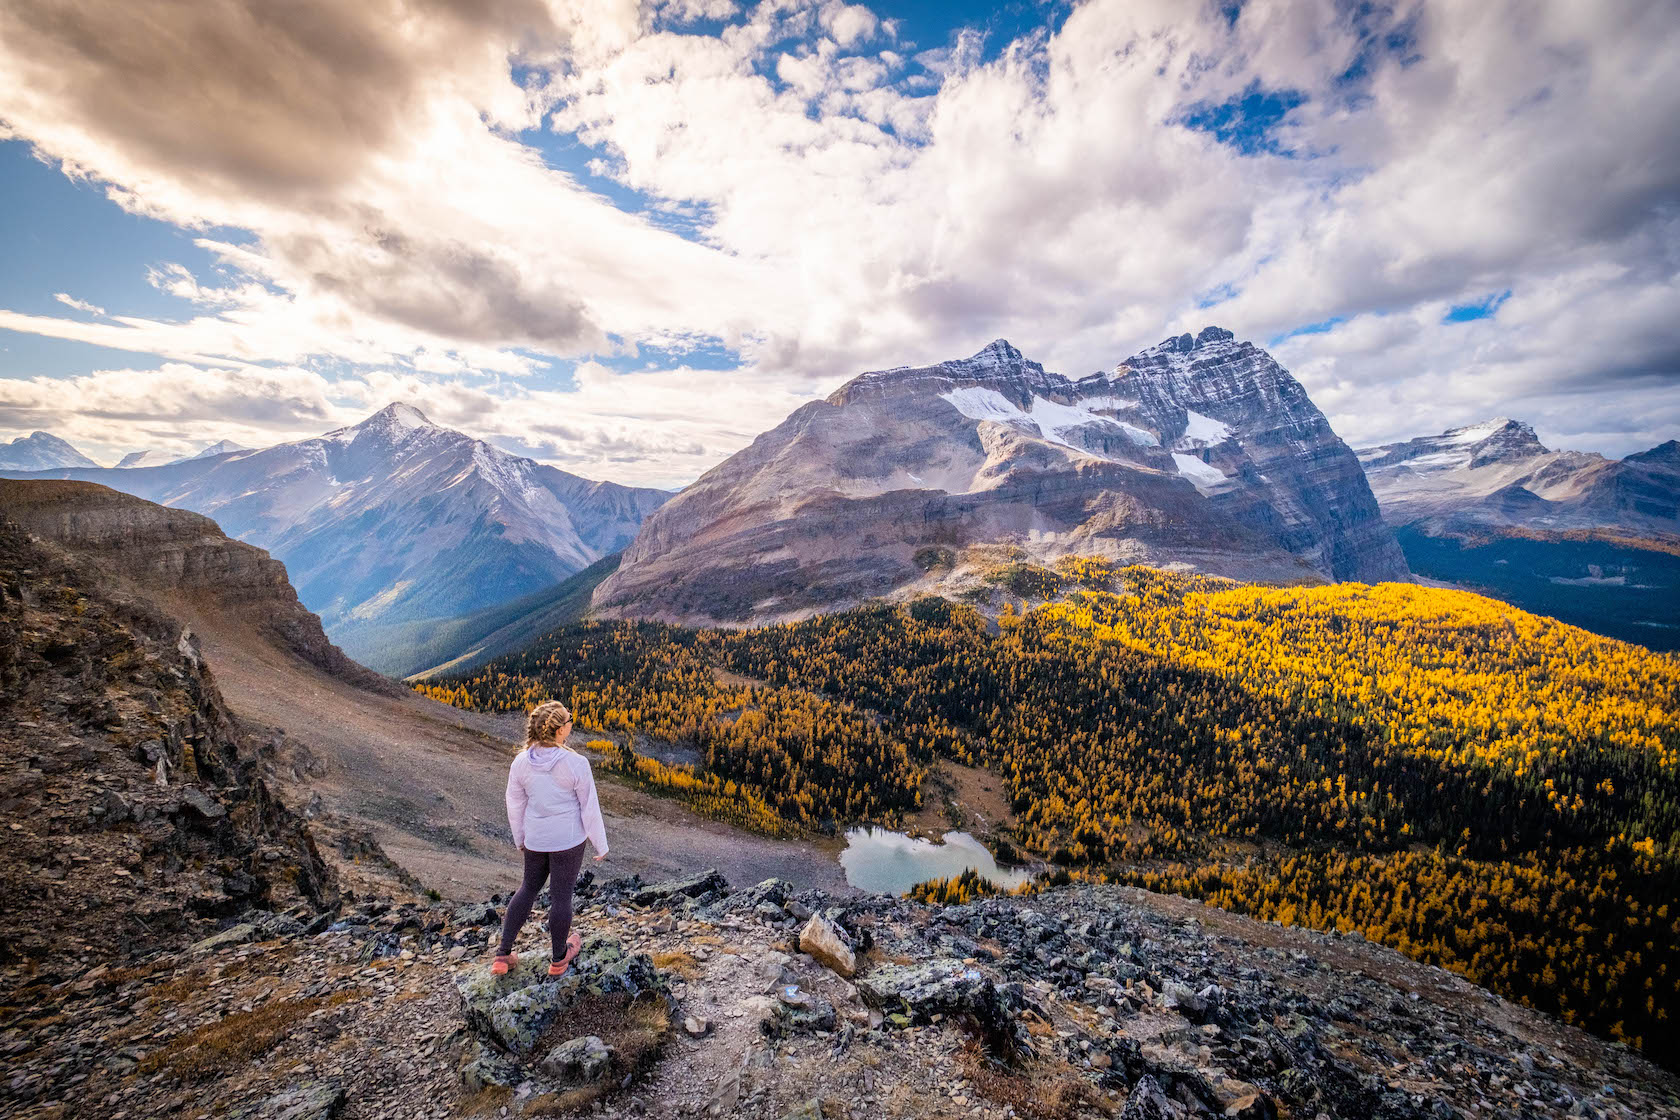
{"type": "Point", "coordinates": [552, 809]}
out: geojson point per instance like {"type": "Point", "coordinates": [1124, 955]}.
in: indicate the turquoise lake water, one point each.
{"type": "Point", "coordinates": [881, 861]}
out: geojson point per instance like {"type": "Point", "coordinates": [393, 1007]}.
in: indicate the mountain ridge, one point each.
{"type": "Point", "coordinates": [41, 451]}
{"type": "Point", "coordinates": [395, 519]}
{"type": "Point", "coordinates": [1572, 534]}
{"type": "Point", "coordinates": [1201, 451]}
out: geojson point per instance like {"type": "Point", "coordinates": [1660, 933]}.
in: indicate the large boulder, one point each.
{"type": "Point", "coordinates": [514, 1010]}
{"type": "Point", "coordinates": [797, 1012]}
{"type": "Point", "coordinates": [829, 944]}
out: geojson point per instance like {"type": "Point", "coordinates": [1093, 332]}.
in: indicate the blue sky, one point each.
{"type": "Point", "coordinates": [625, 238]}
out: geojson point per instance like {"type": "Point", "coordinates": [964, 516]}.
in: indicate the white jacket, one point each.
{"type": "Point", "coordinates": [551, 801]}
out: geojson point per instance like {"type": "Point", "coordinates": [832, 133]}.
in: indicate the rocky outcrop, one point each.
{"type": "Point", "coordinates": [136, 817]}
{"type": "Point", "coordinates": [183, 558]}
{"type": "Point", "coordinates": [1199, 452]}
{"type": "Point", "coordinates": [397, 519]}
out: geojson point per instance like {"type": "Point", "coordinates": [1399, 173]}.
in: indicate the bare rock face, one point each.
{"type": "Point", "coordinates": [1200, 452]}
{"type": "Point", "coordinates": [176, 554]}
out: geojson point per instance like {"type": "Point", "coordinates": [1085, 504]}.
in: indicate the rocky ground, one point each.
{"type": "Point", "coordinates": [692, 999]}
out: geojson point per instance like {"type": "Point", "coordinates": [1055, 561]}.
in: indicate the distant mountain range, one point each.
{"type": "Point", "coordinates": [423, 548]}
{"type": "Point", "coordinates": [1572, 534]}
{"type": "Point", "coordinates": [396, 520]}
{"type": "Point", "coordinates": [40, 451]}
{"type": "Point", "coordinates": [1202, 452]}
{"type": "Point", "coordinates": [164, 458]}
{"type": "Point", "coordinates": [1498, 474]}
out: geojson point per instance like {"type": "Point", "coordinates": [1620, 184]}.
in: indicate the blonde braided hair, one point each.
{"type": "Point", "coordinates": [544, 720]}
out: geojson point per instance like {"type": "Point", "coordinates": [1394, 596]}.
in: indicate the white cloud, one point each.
{"type": "Point", "coordinates": [79, 304]}
{"type": "Point", "coordinates": [853, 208]}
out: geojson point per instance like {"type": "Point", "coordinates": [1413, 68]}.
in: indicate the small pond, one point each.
{"type": "Point", "coordinates": [881, 861]}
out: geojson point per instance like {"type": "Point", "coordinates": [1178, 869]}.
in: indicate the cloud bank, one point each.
{"type": "Point", "coordinates": [501, 209]}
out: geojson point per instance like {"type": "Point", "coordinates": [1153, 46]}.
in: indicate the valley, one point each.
{"type": "Point", "coordinates": [395, 527]}
{"type": "Point", "coordinates": [1475, 785]}
{"type": "Point", "coordinates": [918, 607]}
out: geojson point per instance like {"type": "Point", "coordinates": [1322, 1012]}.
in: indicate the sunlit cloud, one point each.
{"type": "Point", "coordinates": [489, 209]}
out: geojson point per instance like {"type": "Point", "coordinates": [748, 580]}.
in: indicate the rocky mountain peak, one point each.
{"type": "Point", "coordinates": [40, 451]}
{"type": "Point", "coordinates": [396, 418]}
{"type": "Point", "coordinates": [1663, 454]}
{"type": "Point", "coordinates": [998, 352]}
{"type": "Point", "coordinates": [1498, 440]}
{"type": "Point", "coordinates": [1208, 337]}
{"type": "Point", "coordinates": [220, 447]}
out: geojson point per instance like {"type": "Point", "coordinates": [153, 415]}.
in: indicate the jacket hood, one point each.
{"type": "Point", "coordinates": [544, 759]}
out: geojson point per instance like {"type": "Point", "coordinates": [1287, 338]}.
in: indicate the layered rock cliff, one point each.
{"type": "Point", "coordinates": [1200, 452]}
{"type": "Point", "coordinates": [181, 558]}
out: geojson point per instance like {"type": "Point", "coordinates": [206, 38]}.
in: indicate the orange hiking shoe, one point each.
{"type": "Point", "coordinates": [559, 967]}
{"type": "Point", "coordinates": [502, 963]}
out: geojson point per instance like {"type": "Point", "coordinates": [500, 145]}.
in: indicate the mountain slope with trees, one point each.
{"type": "Point", "coordinates": [1481, 787]}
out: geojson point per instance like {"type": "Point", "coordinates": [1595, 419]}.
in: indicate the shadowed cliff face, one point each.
{"type": "Point", "coordinates": [136, 819]}
{"type": "Point", "coordinates": [176, 554]}
{"type": "Point", "coordinates": [1200, 451]}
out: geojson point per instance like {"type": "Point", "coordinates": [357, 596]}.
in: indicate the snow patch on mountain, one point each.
{"type": "Point", "coordinates": [1203, 431]}
{"type": "Point", "coordinates": [1475, 433]}
{"type": "Point", "coordinates": [1203, 476]}
{"type": "Point", "coordinates": [1053, 421]}
{"type": "Point", "coordinates": [977, 403]}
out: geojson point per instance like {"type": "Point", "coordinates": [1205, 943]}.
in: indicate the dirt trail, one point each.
{"type": "Point", "coordinates": [427, 780]}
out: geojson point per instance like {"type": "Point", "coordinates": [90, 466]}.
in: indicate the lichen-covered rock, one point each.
{"type": "Point", "coordinates": [474, 914]}
{"type": "Point", "coordinates": [483, 1067]}
{"type": "Point", "coordinates": [514, 1010]}
{"type": "Point", "coordinates": [312, 1100]}
{"type": "Point", "coordinates": [796, 1012]}
{"type": "Point", "coordinates": [950, 988]}
{"type": "Point", "coordinates": [259, 925]}
{"type": "Point", "coordinates": [579, 1061]}
{"type": "Point", "coordinates": [1147, 1102]}
{"type": "Point", "coordinates": [234, 935]}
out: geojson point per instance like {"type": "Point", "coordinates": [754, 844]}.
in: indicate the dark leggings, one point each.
{"type": "Point", "coordinates": [563, 866]}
